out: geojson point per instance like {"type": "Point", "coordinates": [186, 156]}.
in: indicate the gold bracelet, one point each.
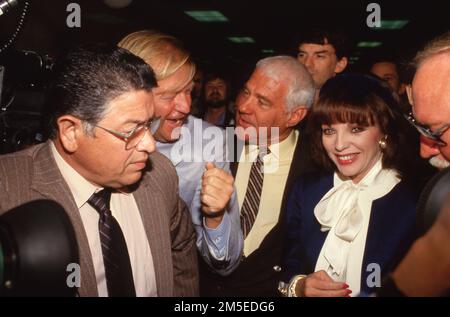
{"type": "Point", "coordinates": [293, 285]}
{"type": "Point", "coordinates": [283, 288]}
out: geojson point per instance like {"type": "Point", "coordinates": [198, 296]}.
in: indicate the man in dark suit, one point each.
{"type": "Point", "coordinates": [134, 234]}
{"type": "Point", "coordinates": [269, 107]}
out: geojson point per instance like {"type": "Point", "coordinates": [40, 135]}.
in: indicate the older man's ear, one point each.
{"type": "Point", "coordinates": [296, 116]}
{"type": "Point", "coordinates": [70, 129]}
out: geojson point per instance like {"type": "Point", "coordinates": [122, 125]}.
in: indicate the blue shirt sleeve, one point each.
{"type": "Point", "coordinates": [221, 247]}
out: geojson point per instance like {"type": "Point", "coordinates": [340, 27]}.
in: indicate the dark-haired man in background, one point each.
{"type": "Point", "coordinates": [216, 105]}
{"type": "Point", "coordinates": [389, 70]}
{"type": "Point", "coordinates": [324, 53]}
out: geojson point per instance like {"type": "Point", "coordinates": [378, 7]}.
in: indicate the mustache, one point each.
{"type": "Point", "coordinates": [438, 162]}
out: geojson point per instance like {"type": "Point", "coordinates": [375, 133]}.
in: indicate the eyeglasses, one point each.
{"type": "Point", "coordinates": [134, 137]}
{"type": "Point", "coordinates": [426, 131]}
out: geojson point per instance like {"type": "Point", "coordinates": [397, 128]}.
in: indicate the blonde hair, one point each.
{"type": "Point", "coordinates": [438, 45]}
{"type": "Point", "coordinates": [163, 52]}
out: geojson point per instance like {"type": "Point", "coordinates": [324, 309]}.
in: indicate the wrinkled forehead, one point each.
{"type": "Point", "coordinates": [269, 78]}
{"type": "Point", "coordinates": [132, 106]}
{"type": "Point", "coordinates": [180, 80]}
{"type": "Point", "coordinates": [431, 88]}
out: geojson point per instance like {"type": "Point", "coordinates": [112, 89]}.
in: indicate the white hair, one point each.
{"type": "Point", "coordinates": [439, 45]}
{"type": "Point", "coordinates": [439, 163]}
{"type": "Point", "coordinates": [300, 83]}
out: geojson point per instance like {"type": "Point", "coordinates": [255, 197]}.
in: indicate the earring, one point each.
{"type": "Point", "coordinates": [383, 143]}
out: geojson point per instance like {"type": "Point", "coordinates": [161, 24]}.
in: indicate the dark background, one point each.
{"type": "Point", "coordinates": [272, 24]}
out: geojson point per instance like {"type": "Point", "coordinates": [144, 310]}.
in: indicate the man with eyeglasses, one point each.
{"type": "Point", "coordinates": [430, 97]}
{"type": "Point", "coordinates": [134, 234]}
{"type": "Point", "coordinates": [425, 271]}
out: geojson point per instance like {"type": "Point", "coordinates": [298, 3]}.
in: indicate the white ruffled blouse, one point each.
{"type": "Point", "coordinates": [344, 211]}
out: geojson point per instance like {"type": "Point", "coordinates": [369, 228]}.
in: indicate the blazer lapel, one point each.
{"type": "Point", "coordinates": [48, 181]}
{"type": "Point", "coordinates": [153, 216]}
{"type": "Point", "coordinates": [236, 147]}
{"type": "Point", "coordinates": [295, 170]}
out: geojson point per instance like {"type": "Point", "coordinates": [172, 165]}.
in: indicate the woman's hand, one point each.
{"type": "Point", "coordinates": [319, 284]}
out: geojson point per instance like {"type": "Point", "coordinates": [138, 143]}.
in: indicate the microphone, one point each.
{"type": "Point", "coordinates": [6, 5]}
{"type": "Point", "coordinates": [37, 243]}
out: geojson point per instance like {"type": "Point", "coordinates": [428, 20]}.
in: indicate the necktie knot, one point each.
{"type": "Point", "coordinates": [262, 152]}
{"type": "Point", "coordinates": [100, 201]}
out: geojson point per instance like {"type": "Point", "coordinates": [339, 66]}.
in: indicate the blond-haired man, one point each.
{"type": "Point", "coordinates": [206, 187]}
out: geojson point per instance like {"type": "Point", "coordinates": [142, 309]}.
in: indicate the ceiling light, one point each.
{"type": "Point", "coordinates": [367, 44]}
{"type": "Point", "coordinates": [241, 39]}
{"type": "Point", "coordinates": [392, 24]}
{"type": "Point", "coordinates": [207, 16]}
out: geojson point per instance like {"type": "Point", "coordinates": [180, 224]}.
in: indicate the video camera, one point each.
{"type": "Point", "coordinates": [23, 80]}
{"type": "Point", "coordinates": [37, 243]}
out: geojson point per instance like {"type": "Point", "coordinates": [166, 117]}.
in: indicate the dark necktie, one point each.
{"type": "Point", "coordinates": [252, 198]}
{"type": "Point", "coordinates": [118, 273]}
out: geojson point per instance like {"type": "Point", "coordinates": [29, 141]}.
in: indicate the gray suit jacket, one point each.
{"type": "Point", "coordinates": [33, 174]}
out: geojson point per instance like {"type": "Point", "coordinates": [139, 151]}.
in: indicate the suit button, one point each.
{"type": "Point", "coordinates": [277, 268]}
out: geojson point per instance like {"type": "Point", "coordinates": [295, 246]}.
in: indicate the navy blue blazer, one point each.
{"type": "Point", "coordinates": [392, 228]}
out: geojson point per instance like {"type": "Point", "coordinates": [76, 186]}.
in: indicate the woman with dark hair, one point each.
{"type": "Point", "coordinates": [351, 225]}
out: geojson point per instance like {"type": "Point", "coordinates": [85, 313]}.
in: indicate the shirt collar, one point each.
{"type": "Point", "coordinates": [81, 188]}
{"type": "Point", "coordinates": [278, 151]}
{"type": "Point", "coordinates": [285, 148]}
